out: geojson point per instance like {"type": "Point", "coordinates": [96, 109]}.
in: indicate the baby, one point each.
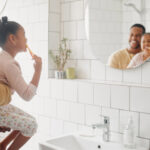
{"type": "Point", "coordinates": [144, 55]}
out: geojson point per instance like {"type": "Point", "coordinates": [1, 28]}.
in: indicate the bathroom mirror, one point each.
{"type": "Point", "coordinates": [2, 5]}
{"type": "Point", "coordinates": [108, 24]}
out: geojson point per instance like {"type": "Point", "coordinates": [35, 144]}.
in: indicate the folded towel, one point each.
{"type": "Point", "coordinates": [5, 94]}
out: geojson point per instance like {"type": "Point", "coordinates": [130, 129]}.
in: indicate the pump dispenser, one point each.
{"type": "Point", "coordinates": [129, 134]}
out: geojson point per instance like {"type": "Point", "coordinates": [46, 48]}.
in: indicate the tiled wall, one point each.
{"type": "Point", "coordinates": [80, 102]}
{"type": "Point", "coordinates": [76, 104]}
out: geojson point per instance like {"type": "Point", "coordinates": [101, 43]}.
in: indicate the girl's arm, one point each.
{"type": "Point", "coordinates": [17, 82]}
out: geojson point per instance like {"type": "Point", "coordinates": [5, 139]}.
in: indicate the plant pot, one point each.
{"type": "Point", "coordinates": [60, 74]}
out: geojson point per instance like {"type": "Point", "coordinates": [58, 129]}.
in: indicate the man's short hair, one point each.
{"type": "Point", "coordinates": [139, 26]}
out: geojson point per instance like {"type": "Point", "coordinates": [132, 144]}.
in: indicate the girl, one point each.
{"type": "Point", "coordinates": [141, 57]}
{"type": "Point", "coordinates": [24, 126]}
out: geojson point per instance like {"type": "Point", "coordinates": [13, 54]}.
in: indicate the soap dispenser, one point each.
{"type": "Point", "coordinates": [129, 134]}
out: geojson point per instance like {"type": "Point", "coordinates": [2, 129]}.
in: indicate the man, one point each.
{"type": "Point", "coordinates": [122, 58]}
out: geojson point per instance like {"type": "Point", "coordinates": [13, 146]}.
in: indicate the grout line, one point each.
{"type": "Point", "coordinates": [129, 98]}
{"type": "Point", "coordinates": [139, 124]}
{"type": "Point", "coordinates": [110, 91]}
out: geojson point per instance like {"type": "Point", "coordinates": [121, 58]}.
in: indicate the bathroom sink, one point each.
{"type": "Point", "coordinates": [77, 142]}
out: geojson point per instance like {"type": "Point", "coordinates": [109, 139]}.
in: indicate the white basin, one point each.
{"type": "Point", "coordinates": [76, 142]}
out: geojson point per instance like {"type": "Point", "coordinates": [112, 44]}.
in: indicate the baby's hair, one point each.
{"type": "Point", "coordinates": [147, 33]}
{"type": "Point", "coordinates": [7, 28]}
{"type": "Point", "coordinates": [139, 26]}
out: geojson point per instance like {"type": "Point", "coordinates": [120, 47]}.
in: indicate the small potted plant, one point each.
{"type": "Point", "coordinates": [60, 59]}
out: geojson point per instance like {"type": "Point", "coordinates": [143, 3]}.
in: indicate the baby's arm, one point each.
{"type": "Point", "coordinates": [135, 61]}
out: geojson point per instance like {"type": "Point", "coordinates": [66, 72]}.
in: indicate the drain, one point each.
{"type": "Point", "coordinates": [99, 146]}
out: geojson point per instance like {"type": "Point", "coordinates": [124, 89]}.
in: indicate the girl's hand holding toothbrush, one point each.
{"type": "Point", "coordinates": [37, 59]}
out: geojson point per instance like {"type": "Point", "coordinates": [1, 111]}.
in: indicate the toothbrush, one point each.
{"type": "Point", "coordinates": [31, 53]}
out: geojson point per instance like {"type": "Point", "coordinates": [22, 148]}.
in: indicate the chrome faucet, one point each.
{"type": "Point", "coordinates": [106, 128]}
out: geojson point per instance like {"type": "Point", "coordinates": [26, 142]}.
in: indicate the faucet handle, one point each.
{"type": "Point", "coordinates": [106, 119]}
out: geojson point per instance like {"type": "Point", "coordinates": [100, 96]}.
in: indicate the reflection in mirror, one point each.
{"type": "Point", "coordinates": [114, 31]}
{"type": "Point", "coordinates": [144, 55]}
{"type": "Point", "coordinates": [122, 58]}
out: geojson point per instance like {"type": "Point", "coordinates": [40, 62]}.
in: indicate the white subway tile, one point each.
{"type": "Point", "coordinates": [116, 17]}
{"type": "Point", "coordinates": [42, 29]}
{"type": "Point", "coordinates": [56, 127]}
{"type": "Point", "coordinates": [115, 5]}
{"type": "Point", "coordinates": [124, 117]}
{"type": "Point", "coordinates": [62, 31]}
{"type": "Point", "coordinates": [127, 16]}
{"type": "Point", "coordinates": [70, 90]}
{"type": "Point", "coordinates": [139, 99]}
{"type": "Point", "coordinates": [88, 53]}
{"type": "Point", "coordinates": [54, 6]}
{"type": "Point", "coordinates": [65, 12]}
{"type": "Point", "coordinates": [114, 118]}
{"type": "Point", "coordinates": [54, 22]}
{"type": "Point", "coordinates": [70, 30]}
{"type": "Point", "coordinates": [69, 0]}
{"type": "Point", "coordinates": [83, 69]}
{"type": "Point", "coordinates": [33, 17]}
{"type": "Point", "coordinates": [81, 33]}
{"type": "Point", "coordinates": [36, 28]}
{"type": "Point", "coordinates": [113, 74]}
{"type": "Point", "coordinates": [50, 107]}
{"type": "Point", "coordinates": [85, 92]}
{"type": "Point", "coordinates": [15, 14]}
{"type": "Point", "coordinates": [97, 70]}
{"type": "Point", "coordinates": [77, 113]}
{"type": "Point", "coordinates": [144, 125]}
{"type": "Point", "coordinates": [45, 36]}
{"type": "Point", "coordinates": [57, 88]}
{"type": "Point", "coordinates": [63, 110]}
{"type": "Point", "coordinates": [27, 2]}
{"type": "Point", "coordinates": [70, 127]}
{"type": "Point", "coordinates": [23, 12]}
{"type": "Point", "coordinates": [40, 1]}
{"type": "Point", "coordinates": [96, 26]}
{"type": "Point", "coordinates": [120, 99]}
{"type": "Point", "coordinates": [95, 4]}
{"type": "Point", "coordinates": [44, 88]}
{"type": "Point", "coordinates": [38, 105]}
{"type": "Point", "coordinates": [102, 95]}
{"type": "Point", "coordinates": [132, 75]}
{"type": "Point", "coordinates": [53, 41]}
{"type": "Point", "coordinates": [147, 3]}
{"type": "Point", "coordinates": [146, 73]}
{"type": "Point", "coordinates": [85, 130]}
{"type": "Point", "coordinates": [43, 12]}
{"type": "Point", "coordinates": [44, 125]}
{"type": "Point", "coordinates": [92, 114]}
{"type": "Point", "coordinates": [77, 49]}
{"type": "Point", "coordinates": [76, 10]}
